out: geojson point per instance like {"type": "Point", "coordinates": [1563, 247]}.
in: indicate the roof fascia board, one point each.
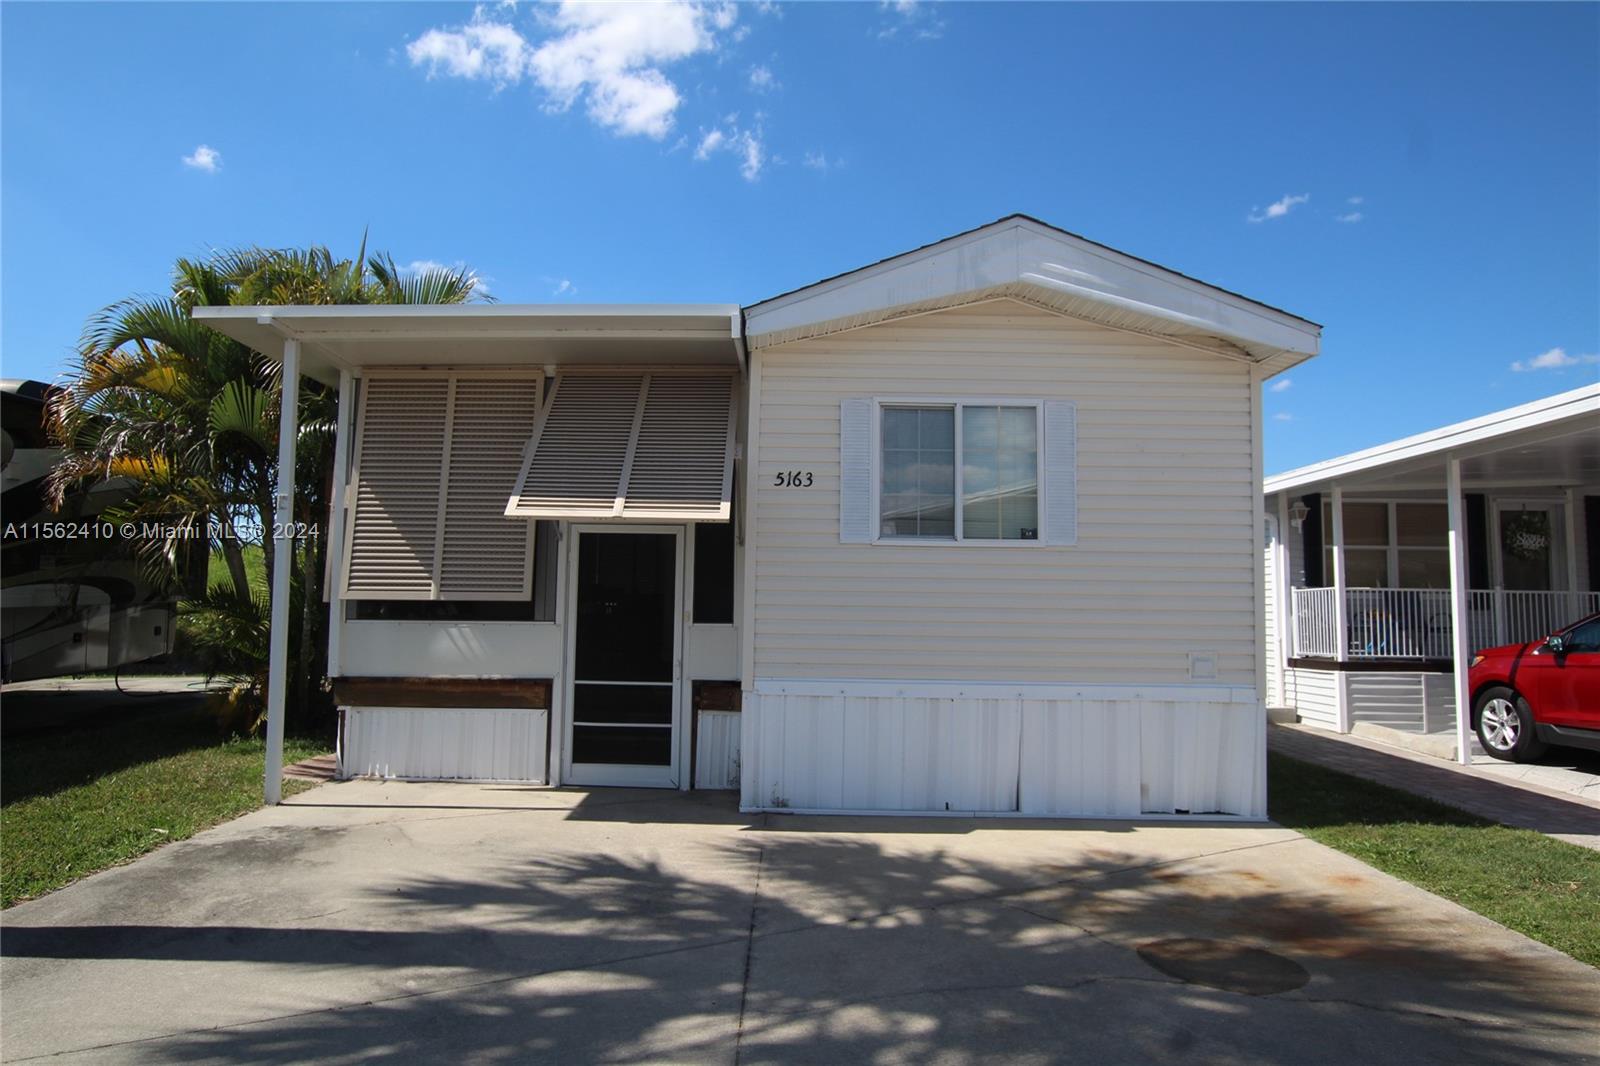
{"type": "Point", "coordinates": [1451, 438]}
{"type": "Point", "coordinates": [1021, 250]}
{"type": "Point", "coordinates": [465, 311]}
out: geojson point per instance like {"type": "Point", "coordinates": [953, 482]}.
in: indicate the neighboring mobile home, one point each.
{"type": "Point", "coordinates": [969, 529]}
{"type": "Point", "coordinates": [1388, 567]}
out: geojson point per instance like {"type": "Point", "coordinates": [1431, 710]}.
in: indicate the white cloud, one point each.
{"type": "Point", "coordinates": [1278, 209]}
{"type": "Point", "coordinates": [912, 16]}
{"type": "Point", "coordinates": [422, 266]}
{"type": "Point", "coordinates": [753, 153]}
{"type": "Point", "coordinates": [481, 49]}
{"type": "Point", "coordinates": [761, 79]}
{"type": "Point", "coordinates": [749, 145]}
{"type": "Point", "coordinates": [204, 158]}
{"type": "Point", "coordinates": [609, 56]}
{"type": "Point", "coordinates": [768, 7]}
{"type": "Point", "coordinates": [820, 161]}
{"type": "Point", "coordinates": [1281, 385]}
{"type": "Point", "coordinates": [1356, 201]}
{"type": "Point", "coordinates": [710, 142]}
{"type": "Point", "coordinates": [1554, 359]}
{"type": "Point", "coordinates": [1353, 216]}
{"type": "Point", "coordinates": [1283, 416]}
{"type": "Point", "coordinates": [564, 287]}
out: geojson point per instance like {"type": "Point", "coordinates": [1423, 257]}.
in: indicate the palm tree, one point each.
{"type": "Point", "coordinates": [188, 419]}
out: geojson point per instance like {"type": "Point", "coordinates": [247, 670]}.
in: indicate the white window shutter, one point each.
{"type": "Point", "coordinates": [1060, 472]}
{"type": "Point", "coordinates": [486, 555]}
{"type": "Point", "coordinates": [855, 472]}
{"type": "Point", "coordinates": [394, 516]}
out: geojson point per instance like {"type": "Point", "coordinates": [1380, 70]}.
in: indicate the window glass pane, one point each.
{"type": "Point", "coordinates": [916, 497]}
{"type": "Point", "coordinates": [1424, 568]}
{"type": "Point", "coordinates": [1365, 523]}
{"type": "Point", "coordinates": [1526, 544]}
{"type": "Point", "coordinates": [1422, 525]}
{"type": "Point", "coordinates": [999, 473]}
{"type": "Point", "coordinates": [1366, 568]}
{"type": "Point", "coordinates": [713, 573]}
{"type": "Point", "coordinates": [1585, 637]}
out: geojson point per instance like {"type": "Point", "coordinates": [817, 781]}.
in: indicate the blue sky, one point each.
{"type": "Point", "coordinates": [1435, 168]}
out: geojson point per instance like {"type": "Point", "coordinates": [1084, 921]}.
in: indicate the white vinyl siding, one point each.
{"type": "Point", "coordinates": [1163, 562]}
{"type": "Point", "coordinates": [436, 456]}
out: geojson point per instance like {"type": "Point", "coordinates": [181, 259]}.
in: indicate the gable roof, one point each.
{"type": "Point", "coordinates": [1021, 258]}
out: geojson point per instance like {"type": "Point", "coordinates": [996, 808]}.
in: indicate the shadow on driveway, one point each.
{"type": "Point", "coordinates": [742, 944]}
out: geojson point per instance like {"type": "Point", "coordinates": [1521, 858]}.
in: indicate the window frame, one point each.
{"type": "Point", "coordinates": [1392, 549]}
{"type": "Point", "coordinates": [955, 404]}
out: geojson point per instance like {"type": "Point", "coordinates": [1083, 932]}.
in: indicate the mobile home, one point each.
{"type": "Point", "coordinates": [971, 529]}
{"type": "Point", "coordinates": [1387, 568]}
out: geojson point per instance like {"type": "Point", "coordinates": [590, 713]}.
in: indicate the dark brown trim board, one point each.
{"type": "Point", "coordinates": [532, 693]}
{"type": "Point", "coordinates": [1375, 666]}
{"type": "Point", "coordinates": [716, 696]}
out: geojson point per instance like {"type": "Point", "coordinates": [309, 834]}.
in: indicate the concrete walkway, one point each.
{"type": "Point", "coordinates": [1483, 791]}
{"type": "Point", "coordinates": [437, 922]}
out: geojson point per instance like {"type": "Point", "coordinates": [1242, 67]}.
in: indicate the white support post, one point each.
{"type": "Point", "coordinates": [343, 431]}
{"type": "Point", "coordinates": [1341, 609]}
{"type": "Point", "coordinates": [1574, 609]}
{"type": "Point", "coordinates": [1460, 649]}
{"type": "Point", "coordinates": [282, 568]}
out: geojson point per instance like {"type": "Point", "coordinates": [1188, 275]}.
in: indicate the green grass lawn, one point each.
{"type": "Point", "coordinates": [255, 567]}
{"type": "Point", "coordinates": [76, 801]}
{"type": "Point", "coordinates": [1543, 888]}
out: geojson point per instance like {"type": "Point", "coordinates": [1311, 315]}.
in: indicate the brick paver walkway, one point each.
{"type": "Point", "coordinates": [1568, 818]}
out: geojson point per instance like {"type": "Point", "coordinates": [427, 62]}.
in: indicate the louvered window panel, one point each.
{"type": "Point", "coordinates": [645, 447]}
{"type": "Point", "coordinates": [435, 457]}
{"type": "Point", "coordinates": [486, 555]}
{"type": "Point", "coordinates": [576, 460]}
{"type": "Point", "coordinates": [681, 464]}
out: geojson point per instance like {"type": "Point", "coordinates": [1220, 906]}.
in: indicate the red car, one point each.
{"type": "Point", "coordinates": [1525, 696]}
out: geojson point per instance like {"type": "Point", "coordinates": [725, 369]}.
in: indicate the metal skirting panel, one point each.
{"type": "Point", "coordinates": [1409, 702]}
{"type": "Point", "coordinates": [716, 757]}
{"type": "Point", "coordinates": [1314, 694]}
{"type": "Point", "coordinates": [1439, 703]}
{"type": "Point", "coordinates": [445, 744]}
{"type": "Point", "coordinates": [1108, 754]}
{"type": "Point", "coordinates": [1392, 700]}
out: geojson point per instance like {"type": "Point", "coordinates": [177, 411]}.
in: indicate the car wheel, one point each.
{"type": "Point", "coordinates": [1505, 726]}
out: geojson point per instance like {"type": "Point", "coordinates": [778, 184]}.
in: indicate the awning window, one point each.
{"type": "Point", "coordinates": [646, 447]}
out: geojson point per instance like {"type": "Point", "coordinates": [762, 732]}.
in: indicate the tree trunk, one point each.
{"type": "Point", "coordinates": [310, 601]}
{"type": "Point", "coordinates": [234, 557]}
{"type": "Point", "coordinates": [269, 545]}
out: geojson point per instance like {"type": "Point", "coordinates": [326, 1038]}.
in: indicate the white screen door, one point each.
{"type": "Point", "coordinates": [624, 697]}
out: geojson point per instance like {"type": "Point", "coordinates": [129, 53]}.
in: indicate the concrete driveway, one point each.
{"type": "Point", "coordinates": [497, 924]}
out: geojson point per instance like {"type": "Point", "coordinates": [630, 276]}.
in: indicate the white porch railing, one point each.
{"type": "Point", "coordinates": [1415, 623]}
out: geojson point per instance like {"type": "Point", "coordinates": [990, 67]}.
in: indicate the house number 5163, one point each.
{"type": "Point", "coordinates": [792, 479]}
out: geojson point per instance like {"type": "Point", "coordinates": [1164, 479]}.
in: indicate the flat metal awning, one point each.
{"type": "Point", "coordinates": [632, 446]}
{"type": "Point", "coordinates": [344, 337]}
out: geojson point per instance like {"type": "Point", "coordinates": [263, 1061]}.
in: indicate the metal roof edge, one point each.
{"type": "Point", "coordinates": [1562, 405]}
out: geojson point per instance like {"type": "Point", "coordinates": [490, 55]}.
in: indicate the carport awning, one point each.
{"type": "Point", "coordinates": [631, 446]}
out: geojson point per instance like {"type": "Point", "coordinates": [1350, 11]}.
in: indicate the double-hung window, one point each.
{"type": "Point", "coordinates": [959, 471]}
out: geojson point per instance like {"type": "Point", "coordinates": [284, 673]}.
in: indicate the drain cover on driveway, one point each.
{"type": "Point", "coordinates": [1230, 967]}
